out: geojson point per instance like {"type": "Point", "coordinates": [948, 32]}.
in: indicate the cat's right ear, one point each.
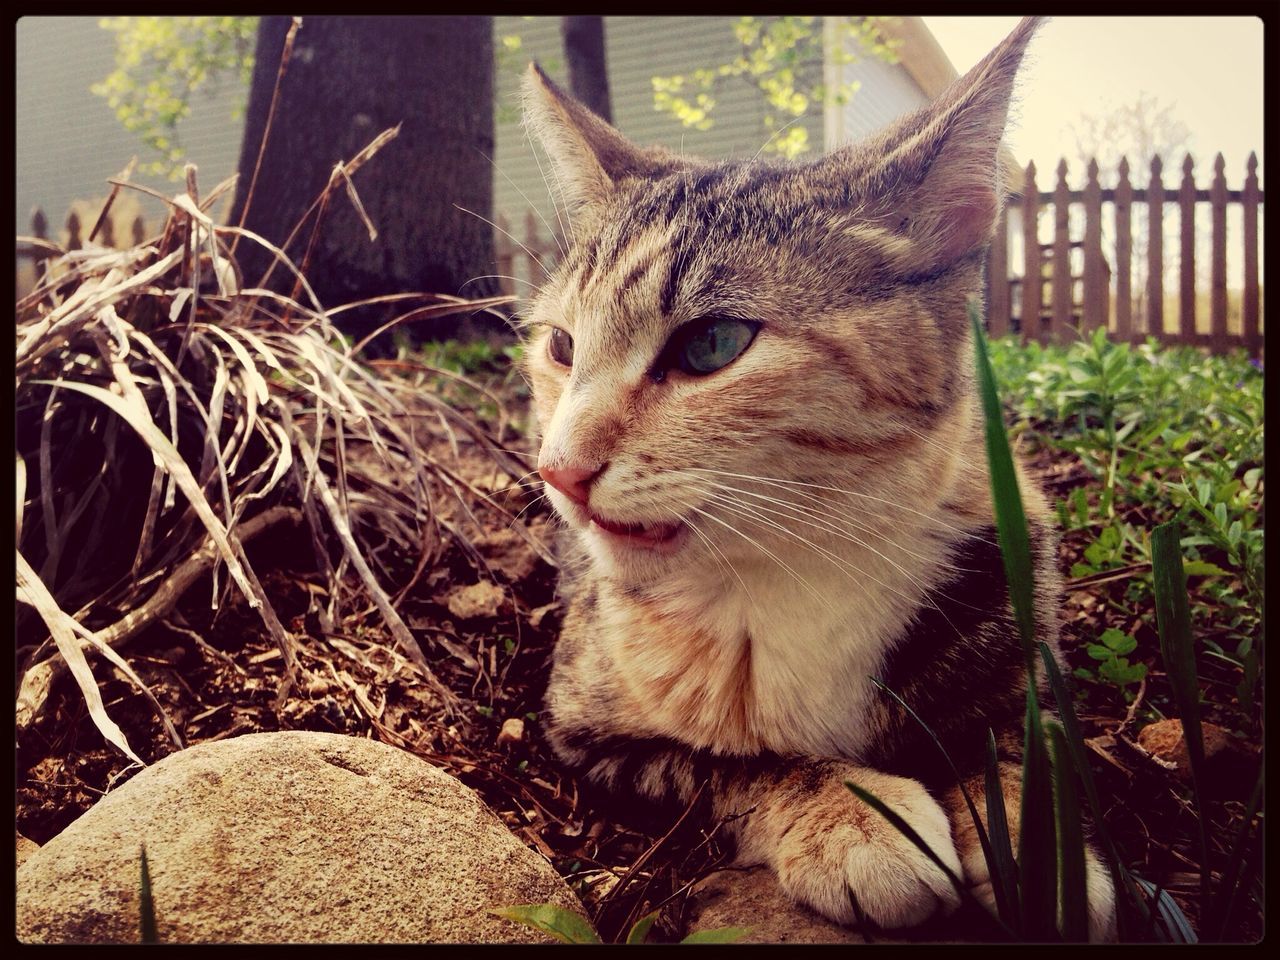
{"type": "Point", "coordinates": [588, 156]}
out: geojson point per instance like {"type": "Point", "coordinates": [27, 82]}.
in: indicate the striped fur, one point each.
{"type": "Point", "coordinates": [830, 485]}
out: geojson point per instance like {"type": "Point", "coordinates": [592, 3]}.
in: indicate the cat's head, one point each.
{"type": "Point", "coordinates": [720, 335]}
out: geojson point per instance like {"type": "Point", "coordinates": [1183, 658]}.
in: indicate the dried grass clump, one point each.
{"type": "Point", "coordinates": [167, 412]}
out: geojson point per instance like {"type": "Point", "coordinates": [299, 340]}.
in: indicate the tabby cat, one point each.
{"type": "Point", "coordinates": [761, 430]}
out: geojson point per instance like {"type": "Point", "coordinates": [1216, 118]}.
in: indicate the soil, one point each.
{"type": "Point", "coordinates": [217, 674]}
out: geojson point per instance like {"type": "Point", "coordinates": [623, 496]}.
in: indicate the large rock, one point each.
{"type": "Point", "coordinates": [287, 837]}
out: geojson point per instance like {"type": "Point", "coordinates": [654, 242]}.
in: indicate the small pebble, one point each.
{"type": "Point", "coordinates": [512, 731]}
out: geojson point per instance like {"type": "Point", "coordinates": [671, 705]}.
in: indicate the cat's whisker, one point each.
{"type": "Point", "coordinates": [533, 256]}
{"type": "Point", "coordinates": [526, 199]}
{"type": "Point", "coordinates": [831, 523]}
{"type": "Point", "coordinates": [932, 518]}
{"type": "Point", "coordinates": [500, 276]}
{"type": "Point", "coordinates": [566, 223]}
{"type": "Point", "coordinates": [528, 506]}
{"type": "Point", "coordinates": [850, 568]}
{"type": "Point", "coordinates": [769, 553]}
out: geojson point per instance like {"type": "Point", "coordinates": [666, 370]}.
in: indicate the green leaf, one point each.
{"type": "Point", "coordinates": [639, 932]}
{"type": "Point", "coordinates": [1119, 642]}
{"type": "Point", "coordinates": [1099, 652]}
{"type": "Point", "coordinates": [1073, 897]}
{"type": "Point", "coordinates": [565, 925]}
{"type": "Point", "coordinates": [719, 935]}
{"type": "Point", "coordinates": [1202, 568]}
{"type": "Point", "coordinates": [146, 905]}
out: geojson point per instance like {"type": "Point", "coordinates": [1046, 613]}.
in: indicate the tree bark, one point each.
{"type": "Point", "coordinates": [584, 54]}
{"type": "Point", "coordinates": [349, 79]}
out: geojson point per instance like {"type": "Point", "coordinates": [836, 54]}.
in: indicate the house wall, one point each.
{"type": "Point", "coordinates": [637, 49]}
{"type": "Point", "coordinates": [68, 141]}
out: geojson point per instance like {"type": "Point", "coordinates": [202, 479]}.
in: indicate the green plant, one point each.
{"type": "Point", "coordinates": [160, 63]}
{"type": "Point", "coordinates": [783, 59]}
{"type": "Point", "coordinates": [1041, 895]}
{"type": "Point", "coordinates": [1162, 433]}
{"type": "Point", "coordinates": [569, 927]}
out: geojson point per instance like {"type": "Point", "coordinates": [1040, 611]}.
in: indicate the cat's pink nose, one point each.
{"type": "Point", "coordinates": [574, 482]}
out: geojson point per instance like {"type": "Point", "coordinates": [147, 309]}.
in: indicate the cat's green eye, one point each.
{"type": "Point", "coordinates": [560, 346]}
{"type": "Point", "coordinates": [705, 346]}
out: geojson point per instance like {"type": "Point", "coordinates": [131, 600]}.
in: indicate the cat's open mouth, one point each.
{"type": "Point", "coordinates": [638, 534]}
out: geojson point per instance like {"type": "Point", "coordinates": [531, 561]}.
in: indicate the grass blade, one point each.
{"type": "Point", "coordinates": [146, 905]}
{"type": "Point", "coordinates": [1011, 520]}
{"type": "Point", "coordinates": [1072, 893]}
{"type": "Point", "coordinates": [32, 589]}
{"type": "Point", "coordinates": [1174, 920]}
{"type": "Point", "coordinates": [1037, 842]}
{"type": "Point", "coordinates": [1232, 875]}
{"type": "Point", "coordinates": [909, 832]}
{"type": "Point", "coordinates": [1074, 741]}
{"type": "Point", "coordinates": [1002, 866]}
{"type": "Point", "coordinates": [1174, 622]}
{"type": "Point", "coordinates": [1003, 903]}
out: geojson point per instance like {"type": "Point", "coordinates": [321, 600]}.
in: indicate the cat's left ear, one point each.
{"type": "Point", "coordinates": [940, 168]}
{"type": "Point", "coordinates": [588, 156]}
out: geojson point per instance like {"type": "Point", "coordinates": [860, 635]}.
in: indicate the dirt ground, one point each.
{"type": "Point", "coordinates": [487, 620]}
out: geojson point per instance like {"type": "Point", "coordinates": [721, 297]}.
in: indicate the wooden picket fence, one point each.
{"type": "Point", "coordinates": [1072, 302]}
{"type": "Point", "coordinates": [31, 255]}
{"type": "Point", "coordinates": [1070, 277]}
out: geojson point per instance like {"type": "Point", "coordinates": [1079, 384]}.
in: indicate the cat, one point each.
{"type": "Point", "coordinates": [761, 431]}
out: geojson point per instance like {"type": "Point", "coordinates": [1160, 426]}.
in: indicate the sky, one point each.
{"type": "Point", "coordinates": [1208, 68]}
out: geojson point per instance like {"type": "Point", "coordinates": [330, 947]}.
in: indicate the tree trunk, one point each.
{"type": "Point", "coordinates": [349, 79]}
{"type": "Point", "coordinates": [584, 54]}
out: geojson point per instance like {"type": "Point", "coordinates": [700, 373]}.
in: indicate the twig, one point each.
{"type": "Point", "coordinates": [285, 54]}
{"type": "Point", "coordinates": [33, 695]}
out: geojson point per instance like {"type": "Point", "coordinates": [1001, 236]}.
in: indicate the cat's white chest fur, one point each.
{"type": "Point", "coordinates": [767, 659]}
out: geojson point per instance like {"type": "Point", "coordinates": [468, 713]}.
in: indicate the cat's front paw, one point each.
{"type": "Point", "coordinates": [839, 844]}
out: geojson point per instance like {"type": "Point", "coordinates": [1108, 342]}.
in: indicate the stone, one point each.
{"type": "Point", "coordinates": [752, 899]}
{"type": "Point", "coordinates": [483, 599]}
{"type": "Point", "coordinates": [25, 848]}
{"type": "Point", "coordinates": [287, 837]}
{"type": "Point", "coordinates": [1165, 739]}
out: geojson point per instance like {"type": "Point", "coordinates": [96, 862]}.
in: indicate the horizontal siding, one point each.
{"type": "Point", "coordinates": [637, 49]}
{"type": "Point", "coordinates": [68, 141]}
{"type": "Point", "coordinates": [886, 92]}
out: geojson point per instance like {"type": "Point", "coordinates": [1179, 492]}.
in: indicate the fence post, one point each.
{"type": "Point", "coordinates": [1249, 200]}
{"type": "Point", "coordinates": [73, 231]}
{"type": "Point", "coordinates": [1094, 310]}
{"type": "Point", "coordinates": [1032, 280]}
{"type": "Point", "coordinates": [998, 278]}
{"type": "Point", "coordinates": [1155, 250]}
{"type": "Point", "coordinates": [1124, 255]}
{"type": "Point", "coordinates": [1061, 257]}
{"type": "Point", "coordinates": [537, 273]}
{"type": "Point", "coordinates": [1187, 259]}
{"type": "Point", "coordinates": [1218, 257]}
